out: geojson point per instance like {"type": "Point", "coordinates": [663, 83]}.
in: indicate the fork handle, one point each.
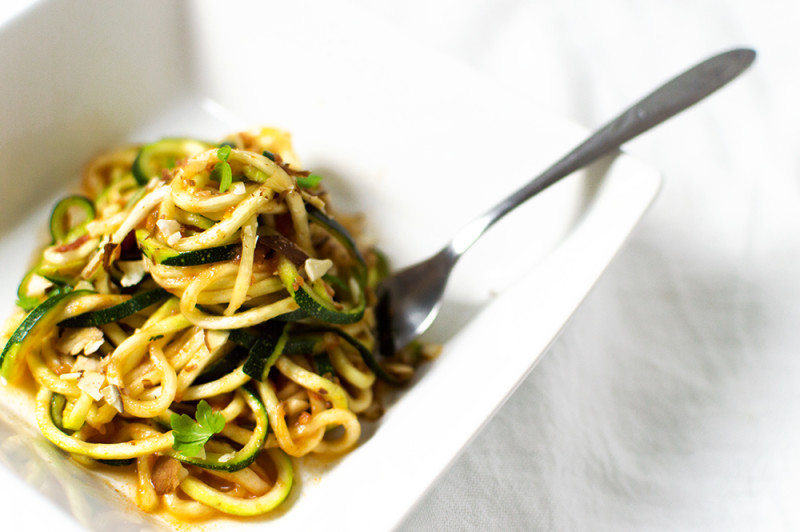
{"type": "Point", "coordinates": [668, 100]}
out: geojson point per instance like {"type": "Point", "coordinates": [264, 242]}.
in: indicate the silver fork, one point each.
{"type": "Point", "coordinates": [409, 300]}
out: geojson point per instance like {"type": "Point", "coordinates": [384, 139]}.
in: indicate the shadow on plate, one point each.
{"type": "Point", "coordinates": [72, 489]}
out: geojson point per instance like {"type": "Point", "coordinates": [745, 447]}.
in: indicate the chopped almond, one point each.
{"type": "Point", "coordinates": [171, 230]}
{"type": "Point", "coordinates": [86, 339]}
{"type": "Point", "coordinates": [37, 285]}
{"type": "Point", "coordinates": [133, 272]}
{"type": "Point", "coordinates": [316, 268]}
{"type": "Point", "coordinates": [92, 382]}
{"type": "Point", "coordinates": [86, 363]}
{"type": "Point", "coordinates": [113, 397]}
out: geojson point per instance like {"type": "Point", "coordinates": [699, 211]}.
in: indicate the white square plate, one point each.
{"type": "Point", "coordinates": [418, 143]}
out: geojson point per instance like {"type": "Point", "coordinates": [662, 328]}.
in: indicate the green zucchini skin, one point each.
{"type": "Point", "coordinates": [27, 302]}
{"type": "Point", "coordinates": [339, 232]}
{"type": "Point", "coordinates": [162, 154]}
{"type": "Point", "coordinates": [117, 312]}
{"type": "Point", "coordinates": [242, 337]}
{"type": "Point", "coordinates": [121, 462]}
{"type": "Point", "coordinates": [223, 366]}
{"type": "Point", "coordinates": [203, 256]}
{"type": "Point", "coordinates": [309, 301]}
{"type": "Point", "coordinates": [259, 505]}
{"type": "Point", "coordinates": [302, 340]}
{"type": "Point", "coordinates": [298, 343]}
{"type": "Point", "coordinates": [295, 315]}
{"type": "Point", "coordinates": [324, 365]}
{"type": "Point", "coordinates": [302, 344]}
{"type": "Point", "coordinates": [23, 336]}
{"type": "Point", "coordinates": [59, 230]}
{"type": "Point", "coordinates": [366, 355]}
{"type": "Point", "coordinates": [163, 254]}
{"type": "Point", "coordinates": [57, 403]}
{"type": "Point", "coordinates": [263, 349]}
{"type": "Point", "coordinates": [312, 304]}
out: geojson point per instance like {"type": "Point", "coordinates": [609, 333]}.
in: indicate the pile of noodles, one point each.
{"type": "Point", "coordinates": [106, 393]}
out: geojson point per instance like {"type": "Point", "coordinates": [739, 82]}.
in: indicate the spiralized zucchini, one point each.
{"type": "Point", "coordinates": [191, 275]}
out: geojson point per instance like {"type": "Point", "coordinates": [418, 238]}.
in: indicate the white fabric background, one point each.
{"type": "Point", "coordinates": [672, 399]}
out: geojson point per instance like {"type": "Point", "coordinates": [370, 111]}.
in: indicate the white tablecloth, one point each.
{"type": "Point", "coordinates": [672, 399]}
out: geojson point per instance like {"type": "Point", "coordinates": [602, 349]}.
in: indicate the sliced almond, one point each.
{"type": "Point", "coordinates": [92, 382]}
{"type": "Point", "coordinates": [85, 339]}
{"type": "Point", "coordinates": [316, 268]}
{"type": "Point", "coordinates": [170, 229]}
{"type": "Point", "coordinates": [37, 285]}
{"type": "Point", "coordinates": [133, 272]}
{"type": "Point", "coordinates": [87, 363]}
{"type": "Point", "coordinates": [113, 397]}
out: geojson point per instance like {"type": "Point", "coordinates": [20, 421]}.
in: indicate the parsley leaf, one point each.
{"type": "Point", "coordinates": [190, 436]}
{"type": "Point", "coordinates": [27, 303]}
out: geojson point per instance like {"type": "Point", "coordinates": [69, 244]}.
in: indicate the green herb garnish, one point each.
{"type": "Point", "coordinates": [27, 303]}
{"type": "Point", "coordinates": [222, 170]}
{"type": "Point", "coordinates": [190, 435]}
{"type": "Point", "coordinates": [309, 181]}
{"type": "Point", "coordinates": [224, 152]}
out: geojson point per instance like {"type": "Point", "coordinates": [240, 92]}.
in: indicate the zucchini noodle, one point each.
{"type": "Point", "coordinates": [208, 286]}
